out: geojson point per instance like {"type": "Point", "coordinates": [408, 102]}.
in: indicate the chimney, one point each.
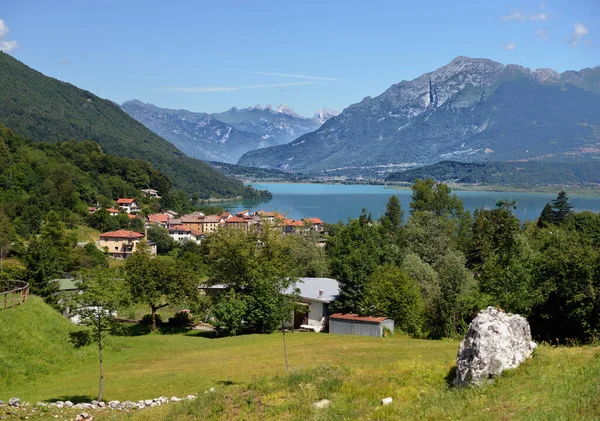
{"type": "Point", "coordinates": [321, 293]}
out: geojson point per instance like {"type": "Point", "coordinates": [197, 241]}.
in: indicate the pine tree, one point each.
{"type": "Point", "coordinates": [546, 217]}
{"type": "Point", "coordinates": [561, 207]}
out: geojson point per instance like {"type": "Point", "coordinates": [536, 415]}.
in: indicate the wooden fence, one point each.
{"type": "Point", "coordinates": [13, 293]}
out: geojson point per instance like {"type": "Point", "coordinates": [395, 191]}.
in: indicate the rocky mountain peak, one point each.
{"type": "Point", "coordinates": [546, 75]}
{"type": "Point", "coordinates": [284, 109]}
{"type": "Point", "coordinates": [324, 114]}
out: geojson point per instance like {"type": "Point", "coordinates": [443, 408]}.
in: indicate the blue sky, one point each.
{"type": "Point", "coordinates": [206, 55]}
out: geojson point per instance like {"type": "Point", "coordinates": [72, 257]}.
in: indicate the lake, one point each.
{"type": "Point", "coordinates": [335, 202]}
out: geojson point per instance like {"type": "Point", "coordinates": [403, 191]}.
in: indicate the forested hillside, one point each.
{"type": "Point", "coordinates": [66, 177]}
{"type": "Point", "coordinates": [519, 174]}
{"type": "Point", "coordinates": [47, 110]}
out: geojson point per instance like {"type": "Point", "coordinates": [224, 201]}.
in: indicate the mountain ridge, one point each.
{"type": "Point", "coordinates": [461, 111]}
{"type": "Point", "coordinates": [224, 136]}
{"type": "Point", "coordinates": [45, 109]}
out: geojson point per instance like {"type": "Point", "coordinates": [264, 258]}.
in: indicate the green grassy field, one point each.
{"type": "Point", "coordinates": [248, 373]}
{"type": "Point", "coordinates": [85, 234]}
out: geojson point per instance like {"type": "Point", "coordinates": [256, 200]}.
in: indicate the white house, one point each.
{"type": "Point", "coordinates": [151, 193]}
{"type": "Point", "coordinates": [128, 205]}
{"type": "Point", "coordinates": [182, 234]}
{"type": "Point", "coordinates": [315, 295]}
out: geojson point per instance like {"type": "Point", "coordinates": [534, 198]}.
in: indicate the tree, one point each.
{"type": "Point", "coordinates": [394, 294]}
{"type": "Point", "coordinates": [158, 283]}
{"type": "Point", "coordinates": [307, 258]}
{"type": "Point", "coordinates": [42, 263]}
{"type": "Point", "coordinates": [561, 207]}
{"type": "Point", "coordinates": [229, 312]}
{"type": "Point", "coordinates": [96, 307]}
{"type": "Point", "coordinates": [426, 278]}
{"type": "Point", "coordinates": [458, 299]}
{"type": "Point", "coordinates": [160, 236]}
{"type": "Point", "coordinates": [428, 196]}
{"type": "Point", "coordinates": [429, 236]}
{"type": "Point", "coordinates": [566, 276]}
{"type": "Point", "coordinates": [547, 216]}
{"type": "Point", "coordinates": [354, 251]}
{"type": "Point", "coordinates": [391, 221]}
{"type": "Point", "coordinates": [260, 271]}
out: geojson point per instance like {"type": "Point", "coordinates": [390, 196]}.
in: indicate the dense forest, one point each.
{"type": "Point", "coordinates": [66, 177]}
{"type": "Point", "coordinates": [517, 174]}
{"type": "Point", "coordinates": [46, 110]}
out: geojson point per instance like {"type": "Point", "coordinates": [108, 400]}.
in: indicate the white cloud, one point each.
{"type": "Point", "coordinates": [198, 89]}
{"type": "Point", "coordinates": [524, 17]}
{"type": "Point", "coordinates": [542, 33]}
{"type": "Point", "coordinates": [515, 15]}
{"type": "Point", "coordinates": [3, 28]}
{"type": "Point", "coordinates": [579, 31]}
{"type": "Point", "coordinates": [543, 5]}
{"type": "Point", "coordinates": [6, 45]}
{"type": "Point", "coordinates": [539, 16]}
{"type": "Point", "coordinates": [295, 76]}
{"type": "Point", "coordinates": [510, 46]}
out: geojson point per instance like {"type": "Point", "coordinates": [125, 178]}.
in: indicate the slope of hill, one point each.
{"type": "Point", "coordinates": [34, 340]}
{"type": "Point", "coordinates": [255, 173]}
{"type": "Point", "coordinates": [198, 135]}
{"type": "Point", "coordinates": [45, 109]}
{"type": "Point", "coordinates": [520, 174]}
{"type": "Point", "coordinates": [66, 177]}
{"type": "Point", "coordinates": [471, 110]}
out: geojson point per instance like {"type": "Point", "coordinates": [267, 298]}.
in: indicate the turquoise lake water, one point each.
{"type": "Point", "coordinates": [335, 202]}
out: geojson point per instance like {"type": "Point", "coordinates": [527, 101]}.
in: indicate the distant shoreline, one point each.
{"type": "Point", "coordinates": [583, 191]}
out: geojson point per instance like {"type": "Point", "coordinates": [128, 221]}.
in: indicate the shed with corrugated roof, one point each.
{"type": "Point", "coordinates": [353, 324]}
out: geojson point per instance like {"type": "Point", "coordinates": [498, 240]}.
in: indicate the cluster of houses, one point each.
{"type": "Point", "coordinates": [315, 294]}
{"type": "Point", "coordinates": [196, 226]}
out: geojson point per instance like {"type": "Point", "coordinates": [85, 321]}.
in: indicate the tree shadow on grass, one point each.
{"type": "Point", "coordinates": [203, 334]}
{"type": "Point", "coordinates": [121, 329]}
{"type": "Point", "coordinates": [450, 377]}
{"type": "Point", "coordinates": [74, 398]}
{"type": "Point", "coordinates": [227, 382]}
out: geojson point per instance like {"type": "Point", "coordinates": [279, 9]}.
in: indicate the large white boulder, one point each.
{"type": "Point", "coordinates": [495, 342]}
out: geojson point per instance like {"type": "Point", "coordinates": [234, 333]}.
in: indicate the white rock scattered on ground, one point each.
{"type": "Point", "coordinates": [386, 401]}
{"type": "Point", "coordinates": [95, 405]}
{"type": "Point", "coordinates": [323, 403]}
{"type": "Point", "coordinates": [495, 342]}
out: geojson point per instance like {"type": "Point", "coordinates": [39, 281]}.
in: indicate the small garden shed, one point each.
{"type": "Point", "coordinates": [353, 324]}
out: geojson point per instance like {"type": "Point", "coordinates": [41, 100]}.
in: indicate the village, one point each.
{"type": "Point", "coordinates": [196, 226]}
{"type": "Point", "coordinates": [315, 294]}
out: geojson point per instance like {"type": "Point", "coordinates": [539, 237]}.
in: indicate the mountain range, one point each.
{"type": "Point", "coordinates": [470, 110]}
{"type": "Point", "coordinates": [44, 109]}
{"type": "Point", "coordinates": [225, 136]}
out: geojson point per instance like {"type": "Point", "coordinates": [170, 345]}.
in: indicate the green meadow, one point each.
{"type": "Point", "coordinates": [37, 363]}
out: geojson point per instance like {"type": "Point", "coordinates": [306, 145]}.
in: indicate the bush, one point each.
{"type": "Point", "coordinates": [182, 319]}
{"type": "Point", "coordinates": [147, 319]}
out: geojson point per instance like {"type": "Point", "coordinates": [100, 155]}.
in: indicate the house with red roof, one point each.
{"type": "Point", "coordinates": [211, 223]}
{"type": "Point", "coordinates": [161, 219]}
{"type": "Point", "coordinates": [122, 243]}
{"type": "Point", "coordinates": [128, 205]}
{"type": "Point", "coordinates": [182, 233]}
{"type": "Point", "coordinates": [238, 223]}
{"type": "Point", "coordinates": [316, 223]}
{"type": "Point", "coordinates": [113, 211]}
